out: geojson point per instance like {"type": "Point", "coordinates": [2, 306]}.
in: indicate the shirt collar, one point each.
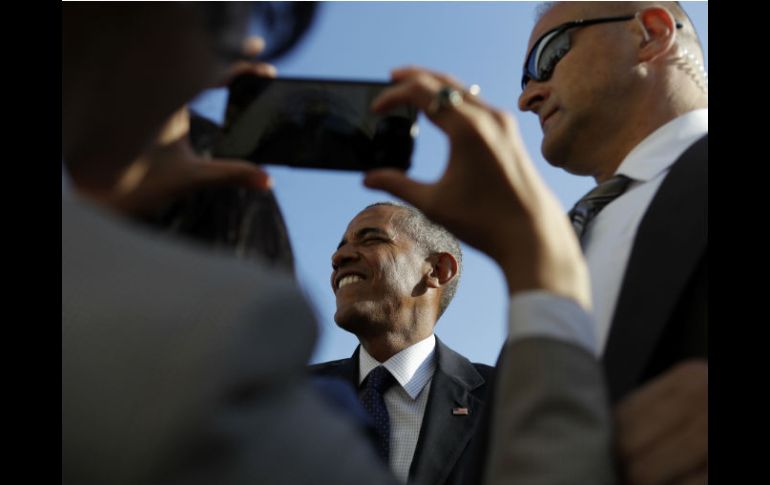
{"type": "Point", "coordinates": [662, 147]}
{"type": "Point", "coordinates": [413, 367]}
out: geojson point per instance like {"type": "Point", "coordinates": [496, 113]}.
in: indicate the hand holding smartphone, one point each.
{"type": "Point", "coordinates": [315, 123]}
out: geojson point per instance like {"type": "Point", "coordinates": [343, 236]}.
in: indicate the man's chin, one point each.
{"type": "Point", "coordinates": [355, 320]}
{"type": "Point", "coordinates": [557, 157]}
{"type": "Point", "coordinates": [348, 320]}
{"type": "Point", "coordinates": [551, 152]}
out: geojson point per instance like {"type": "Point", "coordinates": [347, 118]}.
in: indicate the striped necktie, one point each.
{"type": "Point", "coordinates": [594, 201]}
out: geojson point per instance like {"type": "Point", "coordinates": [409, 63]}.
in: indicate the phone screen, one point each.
{"type": "Point", "coordinates": [316, 124]}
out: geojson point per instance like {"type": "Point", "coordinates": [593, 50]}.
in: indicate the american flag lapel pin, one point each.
{"type": "Point", "coordinates": [460, 411]}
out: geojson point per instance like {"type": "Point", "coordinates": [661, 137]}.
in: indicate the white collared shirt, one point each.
{"type": "Point", "coordinates": [413, 369]}
{"type": "Point", "coordinates": [609, 237]}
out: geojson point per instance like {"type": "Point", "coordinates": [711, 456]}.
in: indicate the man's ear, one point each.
{"type": "Point", "coordinates": [443, 270]}
{"type": "Point", "coordinates": [658, 33]}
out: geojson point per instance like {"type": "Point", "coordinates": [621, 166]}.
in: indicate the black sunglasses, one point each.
{"type": "Point", "coordinates": [554, 44]}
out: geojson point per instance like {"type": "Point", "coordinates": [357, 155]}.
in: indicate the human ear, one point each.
{"type": "Point", "coordinates": [658, 30]}
{"type": "Point", "coordinates": [443, 269]}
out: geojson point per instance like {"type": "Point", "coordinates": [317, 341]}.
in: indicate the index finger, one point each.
{"type": "Point", "coordinates": [252, 46]}
{"type": "Point", "coordinates": [419, 88]}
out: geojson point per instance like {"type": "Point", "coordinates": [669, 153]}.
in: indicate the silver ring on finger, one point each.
{"type": "Point", "coordinates": [446, 97]}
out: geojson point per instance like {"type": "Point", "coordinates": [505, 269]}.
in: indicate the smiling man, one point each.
{"type": "Point", "coordinates": [394, 274]}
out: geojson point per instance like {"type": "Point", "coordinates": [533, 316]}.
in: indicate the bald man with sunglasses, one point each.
{"type": "Point", "coordinates": [622, 96]}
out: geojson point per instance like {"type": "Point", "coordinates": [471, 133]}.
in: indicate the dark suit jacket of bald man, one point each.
{"type": "Point", "coordinates": [661, 316]}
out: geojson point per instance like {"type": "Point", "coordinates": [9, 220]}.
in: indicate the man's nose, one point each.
{"type": "Point", "coordinates": [343, 255]}
{"type": "Point", "coordinates": [534, 95]}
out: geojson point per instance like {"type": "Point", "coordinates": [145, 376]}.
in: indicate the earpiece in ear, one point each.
{"type": "Point", "coordinates": [693, 67]}
{"type": "Point", "coordinates": [644, 29]}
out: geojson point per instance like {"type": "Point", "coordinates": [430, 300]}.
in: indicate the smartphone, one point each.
{"type": "Point", "coordinates": [314, 123]}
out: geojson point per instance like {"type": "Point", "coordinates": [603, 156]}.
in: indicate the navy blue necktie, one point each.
{"type": "Point", "coordinates": [374, 386]}
{"type": "Point", "coordinates": [594, 201]}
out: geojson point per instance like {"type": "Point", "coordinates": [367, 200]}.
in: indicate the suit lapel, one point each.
{"type": "Point", "coordinates": [345, 369]}
{"type": "Point", "coordinates": [349, 369]}
{"type": "Point", "coordinates": [671, 239]}
{"type": "Point", "coordinates": [444, 435]}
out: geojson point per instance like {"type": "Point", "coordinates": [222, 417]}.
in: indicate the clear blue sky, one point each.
{"type": "Point", "coordinates": [477, 42]}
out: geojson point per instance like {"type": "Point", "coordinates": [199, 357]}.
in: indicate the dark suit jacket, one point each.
{"type": "Point", "coordinates": [442, 448]}
{"type": "Point", "coordinates": [662, 313]}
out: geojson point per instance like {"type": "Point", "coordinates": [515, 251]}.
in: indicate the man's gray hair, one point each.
{"type": "Point", "coordinates": [431, 238]}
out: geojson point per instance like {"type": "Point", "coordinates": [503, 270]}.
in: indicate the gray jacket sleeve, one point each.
{"type": "Point", "coordinates": [551, 421]}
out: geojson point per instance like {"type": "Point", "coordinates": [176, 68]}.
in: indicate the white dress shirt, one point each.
{"type": "Point", "coordinates": [609, 237]}
{"type": "Point", "coordinates": [413, 369]}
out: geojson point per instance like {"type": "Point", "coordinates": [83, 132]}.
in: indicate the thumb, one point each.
{"type": "Point", "coordinates": [398, 184]}
{"type": "Point", "coordinates": [233, 172]}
